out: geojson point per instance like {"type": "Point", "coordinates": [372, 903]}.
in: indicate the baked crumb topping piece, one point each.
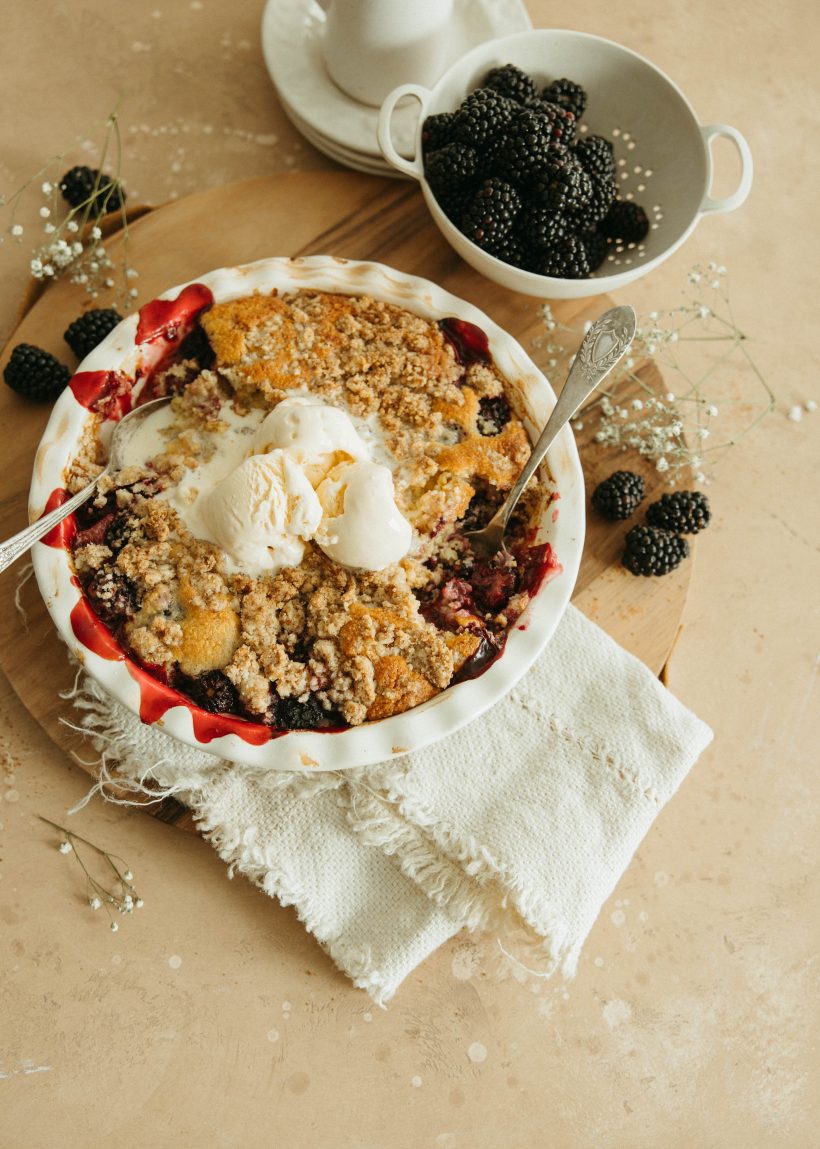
{"type": "Point", "coordinates": [318, 645]}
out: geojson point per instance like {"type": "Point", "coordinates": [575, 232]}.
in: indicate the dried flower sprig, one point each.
{"type": "Point", "coordinates": [75, 236]}
{"type": "Point", "coordinates": [122, 897]}
{"type": "Point", "coordinates": [637, 411]}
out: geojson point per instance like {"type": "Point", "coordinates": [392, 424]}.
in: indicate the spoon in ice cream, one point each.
{"type": "Point", "coordinates": [18, 544]}
{"type": "Point", "coordinates": [607, 341]}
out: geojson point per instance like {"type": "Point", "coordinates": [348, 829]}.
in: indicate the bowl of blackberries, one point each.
{"type": "Point", "coordinates": [560, 164]}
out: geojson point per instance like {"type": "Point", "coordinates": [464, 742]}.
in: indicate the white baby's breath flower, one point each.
{"type": "Point", "coordinates": [16, 229]}
{"type": "Point", "coordinates": [47, 188]}
{"type": "Point", "coordinates": [114, 927]}
{"type": "Point", "coordinates": [65, 847]}
{"type": "Point", "coordinates": [45, 212]}
{"type": "Point", "coordinates": [662, 464]}
{"type": "Point", "coordinates": [72, 226]}
{"type": "Point", "coordinates": [94, 902]}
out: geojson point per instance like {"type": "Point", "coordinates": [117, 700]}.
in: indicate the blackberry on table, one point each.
{"type": "Point", "coordinates": [436, 131]}
{"type": "Point", "coordinates": [491, 214]}
{"type": "Point", "coordinates": [83, 186]}
{"type": "Point", "coordinates": [686, 512]}
{"type": "Point", "coordinates": [618, 496]}
{"type": "Point", "coordinates": [87, 332]}
{"type": "Point", "coordinates": [566, 94]}
{"type": "Point", "coordinates": [567, 260]}
{"type": "Point", "coordinates": [626, 221]}
{"type": "Point", "coordinates": [451, 167]}
{"type": "Point", "coordinates": [511, 82]}
{"type": "Point", "coordinates": [35, 373]}
{"type": "Point", "coordinates": [212, 691]}
{"type": "Point", "coordinates": [594, 154]}
{"type": "Point", "coordinates": [482, 117]}
{"type": "Point", "coordinates": [653, 551]}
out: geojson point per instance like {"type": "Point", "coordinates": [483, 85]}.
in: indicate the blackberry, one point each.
{"type": "Point", "coordinates": [450, 168]}
{"type": "Point", "coordinates": [83, 186]}
{"type": "Point", "coordinates": [212, 691]}
{"type": "Point", "coordinates": [510, 249]}
{"type": "Point", "coordinates": [562, 184]}
{"type": "Point", "coordinates": [597, 206]}
{"type": "Point", "coordinates": [511, 82]}
{"type": "Point", "coordinates": [568, 260]}
{"type": "Point", "coordinates": [540, 227]}
{"type": "Point", "coordinates": [594, 154]}
{"type": "Point", "coordinates": [618, 496]}
{"type": "Point", "coordinates": [568, 95]}
{"type": "Point", "coordinates": [652, 551]}
{"type": "Point", "coordinates": [526, 148]}
{"type": "Point", "coordinates": [113, 596]}
{"type": "Point", "coordinates": [85, 333]}
{"type": "Point", "coordinates": [562, 122]}
{"type": "Point", "coordinates": [491, 214]}
{"type": "Point", "coordinates": [493, 581]}
{"type": "Point", "coordinates": [626, 221]}
{"type": "Point", "coordinates": [596, 248]}
{"type": "Point", "coordinates": [482, 117]}
{"type": "Point", "coordinates": [290, 714]}
{"type": "Point", "coordinates": [196, 346]}
{"type": "Point", "coordinates": [35, 373]}
{"type": "Point", "coordinates": [436, 131]}
{"type": "Point", "coordinates": [121, 530]}
{"type": "Point", "coordinates": [686, 512]}
{"type": "Point", "coordinates": [493, 414]}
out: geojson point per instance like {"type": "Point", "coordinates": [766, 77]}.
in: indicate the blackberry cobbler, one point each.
{"type": "Point", "coordinates": [285, 542]}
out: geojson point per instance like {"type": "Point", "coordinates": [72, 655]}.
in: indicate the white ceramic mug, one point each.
{"type": "Point", "coordinates": [370, 46]}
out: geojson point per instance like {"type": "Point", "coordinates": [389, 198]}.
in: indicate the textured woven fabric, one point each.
{"type": "Point", "coordinates": [521, 822]}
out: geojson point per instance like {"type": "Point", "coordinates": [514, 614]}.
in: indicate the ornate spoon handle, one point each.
{"type": "Point", "coordinates": [18, 544]}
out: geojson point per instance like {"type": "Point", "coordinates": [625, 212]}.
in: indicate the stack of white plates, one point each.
{"type": "Point", "coordinates": [336, 124]}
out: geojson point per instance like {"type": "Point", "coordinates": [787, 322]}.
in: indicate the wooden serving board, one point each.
{"type": "Point", "coordinates": [304, 213]}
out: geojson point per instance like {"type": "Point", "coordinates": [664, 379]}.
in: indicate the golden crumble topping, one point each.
{"type": "Point", "coordinates": [317, 644]}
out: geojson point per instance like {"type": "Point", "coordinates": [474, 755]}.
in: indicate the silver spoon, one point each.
{"type": "Point", "coordinates": [607, 340]}
{"type": "Point", "coordinates": [18, 544]}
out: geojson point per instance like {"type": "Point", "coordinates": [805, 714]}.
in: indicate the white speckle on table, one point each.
{"type": "Point", "coordinates": [116, 959]}
{"type": "Point", "coordinates": [273, 1035]}
{"type": "Point", "coordinates": [367, 1017]}
{"type": "Point", "coordinates": [416, 1082]}
{"type": "Point", "coordinates": [616, 1012]}
{"type": "Point", "coordinates": [477, 1052]}
{"type": "Point", "coordinates": [285, 1007]}
{"type": "Point", "coordinates": [598, 962]}
{"type": "Point", "coordinates": [661, 879]}
{"type": "Point", "coordinates": [796, 413]}
{"type": "Point", "coordinates": [446, 1141]}
{"type": "Point", "coordinates": [643, 916]}
{"type": "Point", "coordinates": [465, 963]}
{"type": "Point", "coordinates": [174, 961]}
{"type": "Point", "coordinates": [618, 917]}
{"type": "Point", "coordinates": [12, 796]}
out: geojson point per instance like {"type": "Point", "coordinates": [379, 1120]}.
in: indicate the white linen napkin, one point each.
{"type": "Point", "coordinates": [522, 822]}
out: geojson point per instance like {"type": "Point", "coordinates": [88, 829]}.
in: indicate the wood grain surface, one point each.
{"type": "Point", "coordinates": [343, 214]}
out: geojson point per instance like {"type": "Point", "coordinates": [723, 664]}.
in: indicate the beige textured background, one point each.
{"type": "Point", "coordinates": [211, 1018]}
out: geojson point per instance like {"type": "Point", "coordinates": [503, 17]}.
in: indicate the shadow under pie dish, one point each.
{"type": "Point", "coordinates": [279, 575]}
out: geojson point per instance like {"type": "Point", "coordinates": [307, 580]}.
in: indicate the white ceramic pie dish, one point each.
{"type": "Point", "coordinates": [250, 743]}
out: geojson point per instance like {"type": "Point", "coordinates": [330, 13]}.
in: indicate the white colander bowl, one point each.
{"type": "Point", "coordinates": [662, 151]}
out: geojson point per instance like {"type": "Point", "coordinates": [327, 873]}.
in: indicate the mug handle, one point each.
{"type": "Point", "coordinates": [415, 167]}
{"type": "Point", "coordinates": [730, 202]}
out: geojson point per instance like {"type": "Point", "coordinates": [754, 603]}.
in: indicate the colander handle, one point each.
{"type": "Point", "coordinates": [729, 202]}
{"type": "Point", "coordinates": [415, 167]}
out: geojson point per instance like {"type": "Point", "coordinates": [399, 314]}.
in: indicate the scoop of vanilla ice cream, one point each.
{"type": "Point", "coordinates": [314, 434]}
{"type": "Point", "coordinates": [362, 526]}
{"type": "Point", "coordinates": [258, 512]}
